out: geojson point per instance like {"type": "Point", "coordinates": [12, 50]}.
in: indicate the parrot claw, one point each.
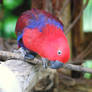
{"type": "Point", "coordinates": [21, 51]}
{"type": "Point", "coordinates": [45, 62]}
{"type": "Point", "coordinates": [24, 53]}
{"type": "Point", "coordinates": [29, 56]}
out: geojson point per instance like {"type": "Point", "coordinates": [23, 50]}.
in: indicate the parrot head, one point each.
{"type": "Point", "coordinates": [57, 48]}
{"type": "Point", "coordinates": [61, 53]}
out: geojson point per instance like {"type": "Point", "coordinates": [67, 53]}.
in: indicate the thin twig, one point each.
{"type": "Point", "coordinates": [84, 53]}
{"type": "Point", "coordinates": [78, 68]}
{"type": "Point", "coordinates": [63, 8]}
{"type": "Point", "coordinates": [9, 55]}
{"type": "Point", "coordinates": [77, 18]}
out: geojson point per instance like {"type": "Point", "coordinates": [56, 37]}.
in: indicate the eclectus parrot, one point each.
{"type": "Point", "coordinates": [42, 33]}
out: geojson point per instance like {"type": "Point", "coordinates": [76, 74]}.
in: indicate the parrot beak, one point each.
{"type": "Point", "coordinates": [56, 64]}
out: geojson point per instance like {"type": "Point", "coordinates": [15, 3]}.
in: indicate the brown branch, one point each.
{"type": "Point", "coordinates": [21, 76]}
{"type": "Point", "coordinates": [78, 68]}
{"type": "Point", "coordinates": [63, 8]}
{"type": "Point", "coordinates": [4, 55]}
{"type": "Point", "coordinates": [83, 54]}
{"type": "Point", "coordinates": [9, 55]}
{"type": "Point", "coordinates": [77, 18]}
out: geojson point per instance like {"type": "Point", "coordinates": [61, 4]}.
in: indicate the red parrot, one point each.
{"type": "Point", "coordinates": [42, 33]}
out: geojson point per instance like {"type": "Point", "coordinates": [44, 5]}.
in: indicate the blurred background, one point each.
{"type": "Point", "coordinates": [76, 16]}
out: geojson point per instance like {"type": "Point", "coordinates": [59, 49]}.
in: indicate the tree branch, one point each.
{"type": "Point", "coordinates": [85, 52]}
{"type": "Point", "coordinates": [63, 8]}
{"type": "Point", "coordinates": [76, 19]}
{"type": "Point", "coordinates": [20, 76]}
{"type": "Point", "coordinates": [77, 68]}
{"type": "Point", "coordinates": [4, 55]}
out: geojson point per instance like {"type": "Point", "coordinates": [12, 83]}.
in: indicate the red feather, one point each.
{"type": "Point", "coordinates": [43, 35]}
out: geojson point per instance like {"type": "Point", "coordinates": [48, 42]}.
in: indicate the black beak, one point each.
{"type": "Point", "coordinates": [56, 64]}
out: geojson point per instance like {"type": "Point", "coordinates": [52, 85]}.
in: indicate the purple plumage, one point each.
{"type": "Point", "coordinates": [36, 19]}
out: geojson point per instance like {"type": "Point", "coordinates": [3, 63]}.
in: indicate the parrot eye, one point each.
{"type": "Point", "coordinates": [59, 52]}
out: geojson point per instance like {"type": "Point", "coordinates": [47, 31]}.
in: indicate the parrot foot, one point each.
{"type": "Point", "coordinates": [29, 56]}
{"type": "Point", "coordinates": [21, 51]}
{"type": "Point", "coordinates": [44, 62]}
{"type": "Point", "coordinates": [25, 53]}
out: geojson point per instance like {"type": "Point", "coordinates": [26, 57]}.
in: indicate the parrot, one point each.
{"type": "Point", "coordinates": [39, 32]}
